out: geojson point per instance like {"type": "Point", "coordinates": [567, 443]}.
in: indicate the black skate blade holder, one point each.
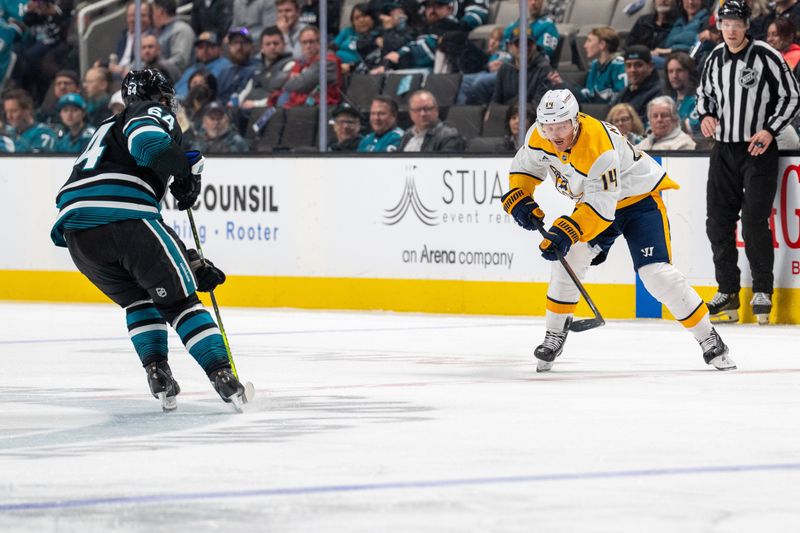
{"type": "Point", "coordinates": [585, 323]}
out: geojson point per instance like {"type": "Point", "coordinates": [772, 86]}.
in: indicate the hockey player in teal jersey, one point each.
{"type": "Point", "coordinates": [109, 218]}
{"type": "Point", "coordinates": [28, 135]}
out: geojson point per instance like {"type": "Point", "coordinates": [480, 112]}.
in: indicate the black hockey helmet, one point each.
{"type": "Point", "coordinates": [734, 9]}
{"type": "Point", "coordinates": [148, 85]}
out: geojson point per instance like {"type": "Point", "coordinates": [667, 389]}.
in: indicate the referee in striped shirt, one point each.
{"type": "Point", "coordinates": [747, 95]}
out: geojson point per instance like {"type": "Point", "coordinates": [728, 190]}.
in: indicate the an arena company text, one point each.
{"type": "Point", "coordinates": [230, 212]}
{"type": "Point", "coordinates": [442, 208]}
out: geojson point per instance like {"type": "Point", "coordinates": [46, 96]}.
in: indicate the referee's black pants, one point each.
{"type": "Point", "coordinates": [737, 182]}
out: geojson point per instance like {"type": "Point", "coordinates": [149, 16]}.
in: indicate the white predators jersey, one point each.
{"type": "Point", "coordinates": [602, 172]}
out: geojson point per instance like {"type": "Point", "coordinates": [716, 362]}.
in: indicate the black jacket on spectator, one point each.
{"type": "Point", "coordinates": [506, 86]}
{"type": "Point", "coordinates": [216, 17]}
{"type": "Point", "coordinates": [646, 32]}
{"type": "Point", "coordinates": [440, 138]}
{"type": "Point", "coordinates": [649, 89]}
{"type": "Point", "coordinates": [350, 145]}
{"type": "Point", "coordinates": [461, 54]}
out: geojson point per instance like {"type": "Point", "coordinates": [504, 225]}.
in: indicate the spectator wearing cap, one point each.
{"type": "Point", "coordinates": [643, 81]}
{"type": "Point", "coordinates": [243, 65]}
{"type": "Point", "coordinates": [28, 135]}
{"type": "Point", "coordinates": [428, 133]}
{"type": "Point", "coordinates": [606, 77]}
{"type": "Point", "coordinates": [213, 16]}
{"type": "Point", "coordinates": [255, 15]}
{"type": "Point", "coordinates": [151, 57]}
{"type": "Point", "coordinates": [302, 87]}
{"type": "Point", "coordinates": [125, 50]}
{"type": "Point", "coordinates": [272, 73]}
{"type": "Point", "coordinates": [218, 136]}
{"type": "Point", "coordinates": [74, 137]}
{"type": "Point", "coordinates": [541, 76]}
{"type": "Point", "coordinates": [346, 128]}
{"type": "Point", "coordinates": [421, 52]}
{"type": "Point", "coordinates": [289, 23]}
{"type": "Point", "coordinates": [65, 82]}
{"type": "Point", "coordinates": [665, 129]}
{"type": "Point", "coordinates": [385, 136]}
{"type": "Point", "coordinates": [97, 90]}
{"type": "Point", "coordinates": [651, 30]}
{"type": "Point", "coordinates": [544, 31]}
{"type": "Point", "coordinates": [207, 55]}
{"type": "Point", "coordinates": [175, 36]}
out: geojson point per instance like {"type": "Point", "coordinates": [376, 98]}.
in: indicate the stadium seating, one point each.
{"type": "Point", "coordinates": [362, 88]}
{"type": "Point", "coordinates": [444, 87]}
{"type": "Point", "coordinates": [467, 119]}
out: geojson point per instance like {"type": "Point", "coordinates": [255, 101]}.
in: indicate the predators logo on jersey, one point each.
{"type": "Point", "coordinates": [562, 185]}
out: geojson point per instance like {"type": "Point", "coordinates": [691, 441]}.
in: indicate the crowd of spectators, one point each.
{"type": "Point", "coordinates": [241, 66]}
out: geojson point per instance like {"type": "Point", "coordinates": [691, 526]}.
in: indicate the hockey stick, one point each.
{"type": "Point", "coordinates": [213, 298]}
{"type": "Point", "coordinates": [586, 323]}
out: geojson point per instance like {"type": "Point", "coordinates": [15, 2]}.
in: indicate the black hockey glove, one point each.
{"type": "Point", "coordinates": [207, 275]}
{"type": "Point", "coordinates": [186, 189]}
{"type": "Point", "coordinates": [561, 236]}
{"type": "Point", "coordinates": [523, 208]}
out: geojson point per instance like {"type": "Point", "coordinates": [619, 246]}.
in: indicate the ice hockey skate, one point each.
{"type": "Point", "coordinates": [550, 348]}
{"type": "Point", "coordinates": [724, 308]}
{"type": "Point", "coordinates": [230, 389]}
{"type": "Point", "coordinates": [715, 352]}
{"type": "Point", "coordinates": [762, 306]}
{"type": "Point", "coordinates": [163, 385]}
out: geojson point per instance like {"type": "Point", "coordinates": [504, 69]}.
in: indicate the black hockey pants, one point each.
{"type": "Point", "coordinates": [739, 182]}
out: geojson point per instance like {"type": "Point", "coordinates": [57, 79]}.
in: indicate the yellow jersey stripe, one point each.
{"type": "Point", "coordinates": [695, 317]}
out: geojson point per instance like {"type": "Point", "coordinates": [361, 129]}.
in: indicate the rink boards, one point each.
{"type": "Point", "coordinates": [404, 234]}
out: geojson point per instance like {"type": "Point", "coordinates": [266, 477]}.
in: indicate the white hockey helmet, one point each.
{"type": "Point", "coordinates": [557, 105]}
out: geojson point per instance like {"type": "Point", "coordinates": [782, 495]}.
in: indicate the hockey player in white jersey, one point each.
{"type": "Point", "coordinates": [617, 191]}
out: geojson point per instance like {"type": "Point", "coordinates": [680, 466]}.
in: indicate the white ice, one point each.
{"type": "Point", "coordinates": [382, 422]}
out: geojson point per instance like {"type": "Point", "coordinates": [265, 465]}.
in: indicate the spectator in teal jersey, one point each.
{"type": "Point", "coordinates": [385, 136]}
{"type": "Point", "coordinates": [543, 28]}
{"type": "Point", "coordinates": [606, 77]}
{"type": "Point", "coordinates": [10, 33]}
{"type": "Point", "coordinates": [682, 79]}
{"type": "Point", "coordinates": [12, 9]}
{"type": "Point", "coordinates": [76, 134]}
{"type": "Point", "coordinates": [359, 36]}
{"type": "Point", "coordinates": [28, 135]}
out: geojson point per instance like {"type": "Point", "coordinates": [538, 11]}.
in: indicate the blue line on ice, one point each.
{"type": "Point", "coordinates": [365, 487]}
{"type": "Point", "coordinates": [302, 332]}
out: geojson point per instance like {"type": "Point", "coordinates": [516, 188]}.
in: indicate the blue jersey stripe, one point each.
{"type": "Point", "coordinates": [90, 193]}
{"type": "Point", "coordinates": [148, 145]}
{"type": "Point", "coordinates": [184, 271]}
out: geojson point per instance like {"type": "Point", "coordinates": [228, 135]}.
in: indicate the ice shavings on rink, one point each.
{"type": "Point", "coordinates": [398, 422]}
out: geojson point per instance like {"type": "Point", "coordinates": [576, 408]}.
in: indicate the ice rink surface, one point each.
{"type": "Point", "coordinates": [382, 422]}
